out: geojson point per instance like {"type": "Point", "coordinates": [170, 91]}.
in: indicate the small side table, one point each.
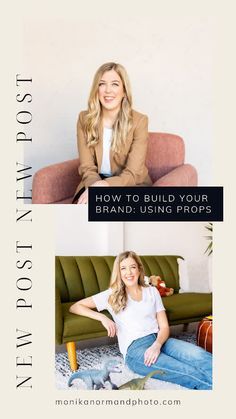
{"type": "Point", "coordinates": [204, 333]}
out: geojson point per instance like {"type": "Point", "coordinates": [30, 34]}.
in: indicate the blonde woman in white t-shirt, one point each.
{"type": "Point", "coordinates": [112, 137]}
{"type": "Point", "coordinates": [141, 326]}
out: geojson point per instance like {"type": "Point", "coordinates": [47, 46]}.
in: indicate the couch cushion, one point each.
{"type": "Point", "coordinates": [79, 326]}
{"type": "Point", "coordinates": [189, 305]}
{"type": "Point", "coordinates": [178, 308]}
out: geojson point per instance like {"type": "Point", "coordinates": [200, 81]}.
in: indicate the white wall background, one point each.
{"type": "Point", "coordinates": [169, 61]}
{"type": "Point", "coordinates": [172, 238]}
{"type": "Point", "coordinates": [76, 236]}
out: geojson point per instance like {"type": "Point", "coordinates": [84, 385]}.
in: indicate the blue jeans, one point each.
{"type": "Point", "coordinates": [182, 363]}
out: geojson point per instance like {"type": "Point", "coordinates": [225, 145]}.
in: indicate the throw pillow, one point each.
{"type": "Point", "coordinates": [183, 276]}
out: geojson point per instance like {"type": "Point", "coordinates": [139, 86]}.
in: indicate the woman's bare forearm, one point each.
{"type": "Point", "coordinates": [82, 310]}
{"type": "Point", "coordinates": [162, 336]}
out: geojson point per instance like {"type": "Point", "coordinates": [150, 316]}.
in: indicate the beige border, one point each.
{"type": "Point", "coordinates": [39, 401]}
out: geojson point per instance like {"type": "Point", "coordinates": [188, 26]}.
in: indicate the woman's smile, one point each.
{"type": "Point", "coordinates": [129, 278]}
{"type": "Point", "coordinates": [108, 98]}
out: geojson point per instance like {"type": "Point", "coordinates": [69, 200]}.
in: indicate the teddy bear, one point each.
{"type": "Point", "coordinates": [157, 282]}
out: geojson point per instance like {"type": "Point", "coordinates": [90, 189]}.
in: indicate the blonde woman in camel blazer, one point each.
{"type": "Point", "coordinates": [110, 110]}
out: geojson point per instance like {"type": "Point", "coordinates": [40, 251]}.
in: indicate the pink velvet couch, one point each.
{"type": "Point", "coordinates": [56, 184]}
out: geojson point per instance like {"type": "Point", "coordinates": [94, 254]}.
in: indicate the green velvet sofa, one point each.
{"type": "Point", "coordinates": [78, 277]}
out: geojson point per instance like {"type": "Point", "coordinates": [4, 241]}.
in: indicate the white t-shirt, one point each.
{"type": "Point", "coordinates": [138, 319]}
{"type": "Point", "coordinates": [106, 165]}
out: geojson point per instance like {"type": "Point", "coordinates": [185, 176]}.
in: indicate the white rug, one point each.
{"type": "Point", "coordinates": [94, 358]}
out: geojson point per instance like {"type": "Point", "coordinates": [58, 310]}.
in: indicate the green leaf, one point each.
{"type": "Point", "coordinates": [209, 248]}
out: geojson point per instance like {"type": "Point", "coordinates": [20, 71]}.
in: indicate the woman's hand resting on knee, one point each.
{"type": "Point", "coordinates": [83, 199]}
{"type": "Point", "coordinates": [152, 353]}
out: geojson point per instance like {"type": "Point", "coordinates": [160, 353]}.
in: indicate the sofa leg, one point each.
{"type": "Point", "coordinates": [71, 350]}
{"type": "Point", "coordinates": [185, 327]}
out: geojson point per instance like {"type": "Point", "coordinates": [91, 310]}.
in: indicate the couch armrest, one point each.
{"type": "Point", "coordinates": [55, 183]}
{"type": "Point", "coordinates": [59, 321]}
{"type": "Point", "coordinates": [185, 175]}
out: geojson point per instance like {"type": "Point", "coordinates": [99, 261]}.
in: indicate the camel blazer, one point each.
{"type": "Point", "coordinates": [128, 167]}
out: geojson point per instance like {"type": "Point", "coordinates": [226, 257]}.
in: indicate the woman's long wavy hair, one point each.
{"type": "Point", "coordinates": [123, 121]}
{"type": "Point", "coordinates": [118, 297]}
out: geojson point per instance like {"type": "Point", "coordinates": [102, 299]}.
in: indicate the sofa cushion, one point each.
{"type": "Point", "coordinates": [178, 307]}
{"type": "Point", "coordinates": [80, 326]}
{"type": "Point", "coordinates": [187, 305]}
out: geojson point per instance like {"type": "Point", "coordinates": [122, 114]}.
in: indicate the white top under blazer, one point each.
{"type": "Point", "coordinates": [106, 165]}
